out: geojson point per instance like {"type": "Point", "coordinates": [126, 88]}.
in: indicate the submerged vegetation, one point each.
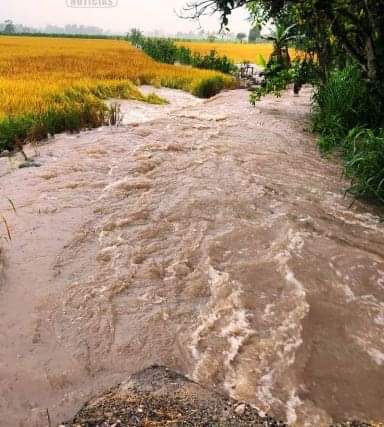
{"type": "Point", "coordinates": [52, 85]}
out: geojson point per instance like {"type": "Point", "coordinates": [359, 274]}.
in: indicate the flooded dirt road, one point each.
{"type": "Point", "coordinates": [214, 240]}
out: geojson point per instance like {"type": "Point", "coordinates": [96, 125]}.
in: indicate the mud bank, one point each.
{"type": "Point", "coordinates": [213, 240]}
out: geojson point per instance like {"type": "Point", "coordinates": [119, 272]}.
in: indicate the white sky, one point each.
{"type": "Point", "coordinates": [145, 14]}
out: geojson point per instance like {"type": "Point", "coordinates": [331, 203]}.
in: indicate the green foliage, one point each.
{"type": "Point", "coordinates": [364, 154]}
{"type": "Point", "coordinates": [74, 110]}
{"type": "Point", "coordinates": [345, 100]}
{"type": "Point", "coordinates": [162, 50]}
{"type": "Point", "coordinates": [305, 71]}
{"type": "Point", "coordinates": [135, 36]}
{"type": "Point", "coordinates": [344, 40]}
{"type": "Point", "coordinates": [277, 76]}
{"type": "Point", "coordinates": [166, 51]}
{"type": "Point", "coordinates": [274, 84]}
{"type": "Point", "coordinates": [88, 113]}
{"type": "Point", "coordinates": [261, 61]}
{"type": "Point", "coordinates": [152, 98]}
{"type": "Point", "coordinates": [185, 55]}
{"type": "Point", "coordinates": [209, 87]}
{"type": "Point", "coordinates": [348, 28]}
{"type": "Point", "coordinates": [212, 61]}
{"type": "Point", "coordinates": [348, 114]}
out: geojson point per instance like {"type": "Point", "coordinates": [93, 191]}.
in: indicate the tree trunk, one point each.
{"type": "Point", "coordinates": [372, 67]}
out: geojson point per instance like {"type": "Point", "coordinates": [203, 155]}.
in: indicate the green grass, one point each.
{"type": "Point", "coordinates": [348, 114]}
{"type": "Point", "coordinates": [364, 162]}
{"type": "Point", "coordinates": [209, 87]}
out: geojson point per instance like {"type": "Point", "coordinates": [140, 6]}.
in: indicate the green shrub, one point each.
{"type": "Point", "coordinates": [13, 129]}
{"type": "Point", "coordinates": [162, 50]}
{"type": "Point", "coordinates": [213, 61]}
{"type": "Point", "coordinates": [209, 87]}
{"type": "Point", "coordinates": [345, 100]}
{"type": "Point", "coordinates": [184, 55]}
{"type": "Point", "coordinates": [166, 51]}
{"type": "Point", "coordinates": [75, 109]}
{"type": "Point", "coordinates": [274, 83]}
{"type": "Point", "coordinates": [348, 114]}
{"type": "Point", "coordinates": [364, 154]}
{"type": "Point", "coordinates": [278, 76]}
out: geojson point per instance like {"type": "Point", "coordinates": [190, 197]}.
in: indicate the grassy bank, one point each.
{"type": "Point", "coordinates": [49, 85]}
{"type": "Point", "coordinates": [348, 114]}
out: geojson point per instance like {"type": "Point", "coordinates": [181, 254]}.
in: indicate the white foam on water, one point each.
{"type": "Point", "coordinates": [237, 332]}
{"type": "Point", "coordinates": [264, 390]}
{"type": "Point", "coordinates": [369, 345]}
{"type": "Point", "coordinates": [286, 338]}
{"type": "Point", "coordinates": [365, 220]}
{"type": "Point", "coordinates": [224, 310]}
{"type": "Point", "coordinates": [292, 404]}
{"type": "Point", "coordinates": [376, 355]}
{"type": "Point", "coordinates": [128, 184]}
{"type": "Point", "coordinates": [379, 319]}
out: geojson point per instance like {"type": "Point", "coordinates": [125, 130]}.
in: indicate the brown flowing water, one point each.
{"type": "Point", "coordinates": [210, 237]}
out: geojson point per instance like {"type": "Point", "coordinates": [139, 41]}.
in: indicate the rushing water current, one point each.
{"type": "Point", "coordinates": [210, 237]}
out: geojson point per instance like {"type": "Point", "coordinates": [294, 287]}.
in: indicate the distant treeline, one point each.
{"type": "Point", "coordinates": [68, 36]}
{"type": "Point", "coordinates": [166, 51]}
{"type": "Point", "coordinates": [108, 37]}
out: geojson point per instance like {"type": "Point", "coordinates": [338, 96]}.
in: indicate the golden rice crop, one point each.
{"type": "Point", "coordinates": [49, 85]}
{"type": "Point", "coordinates": [238, 52]}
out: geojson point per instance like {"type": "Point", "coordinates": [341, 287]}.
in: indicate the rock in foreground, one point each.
{"type": "Point", "coordinates": [158, 396]}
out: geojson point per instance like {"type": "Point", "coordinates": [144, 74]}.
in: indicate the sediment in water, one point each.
{"type": "Point", "coordinates": [213, 239]}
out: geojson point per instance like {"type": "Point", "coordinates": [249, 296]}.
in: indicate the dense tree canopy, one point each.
{"type": "Point", "coordinates": [333, 29]}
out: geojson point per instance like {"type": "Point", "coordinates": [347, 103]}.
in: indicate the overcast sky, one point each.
{"type": "Point", "coordinates": [145, 14]}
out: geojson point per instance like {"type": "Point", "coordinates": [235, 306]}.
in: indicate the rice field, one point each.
{"type": "Point", "coordinates": [238, 52]}
{"type": "Point", "coordinates": [49, 85]}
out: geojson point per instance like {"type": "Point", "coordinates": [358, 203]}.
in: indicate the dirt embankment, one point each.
{"type": "Point", "coordinates": [158, 396]}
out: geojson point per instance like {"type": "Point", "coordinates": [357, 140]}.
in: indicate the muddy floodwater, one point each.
{"type": "Point", "coordinates": [207, 236]}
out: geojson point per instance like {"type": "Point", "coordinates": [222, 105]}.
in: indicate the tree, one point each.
{"type": "Point", "coordinates": [211, 38]}
{"type": "Point", "coordinates": [254, 34]}
{"type": "Point", "coordinates": [281, 36]}
{"type": "Point", "coordinates": [135, 36]}
{"type": "Point", "coordinates": [241, 37]}
{"type": "Point", "coordinates": [9, 27]}
{"type": "Point", "coordinates": [333, 28]}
